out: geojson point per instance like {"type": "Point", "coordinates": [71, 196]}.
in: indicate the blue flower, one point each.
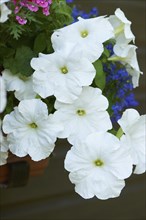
{"type": "Point", "coordinates": [110, 48]}
{"type": "Point", "coordinates": [69, 1]}
{"type": "Point", "coordinates": [119, 88]}
{"type": "Point", "coordinates": [80, 13]}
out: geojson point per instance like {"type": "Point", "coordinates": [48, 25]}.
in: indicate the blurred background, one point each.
{"type": "Point", "coordinates": [51, 196]}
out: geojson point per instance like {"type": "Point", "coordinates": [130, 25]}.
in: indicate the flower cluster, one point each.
{"type": "Point", "coordinates": [21, 7]}
{"type": "Point", "coordinates": [32, 5]}
{"type": "Point", "coordinates": [75, 84]}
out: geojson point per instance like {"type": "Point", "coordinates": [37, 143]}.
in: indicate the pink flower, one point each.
{"type": "Point", "coordinates": [46, 11]}
{"type": "Point", "coordinates": [42, 3]}
{"type": "Point", "coordinates": [20, 20]}
{"type": "Point", "coordinates": [16, 9]}
{"type": "Point", "coordinates": [32, 7]}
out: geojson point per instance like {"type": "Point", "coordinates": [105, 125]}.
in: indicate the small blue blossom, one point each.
{"type": "Point", "coordinates": [80, 13]}
{"type": "Point", "coordinates": [118, 89]}
{"type": "Point", "coordinates": [69, 1]}
{"type": "Point", "coordinates": [110, 48]}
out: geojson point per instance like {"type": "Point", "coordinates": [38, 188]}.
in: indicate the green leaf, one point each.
{"type": "Point", "coordinates": [106, 52]}
{"type": "Point", "coordinates": [16, 30]}
{"type": "Point", "coordinates": [40, 43]}
{"type": "Point", "coordinates": [9, 63]}
{"type": "Point", "coordinates": [62, 12]}
{"type": "Point", "coordinates": [20, 63]}
{"type": "Point", "coordinates": [23, 57]}
{"type": "Point", "coordinates": [100, 78]}
{"type": "Point", "coordinates": [5, 53]}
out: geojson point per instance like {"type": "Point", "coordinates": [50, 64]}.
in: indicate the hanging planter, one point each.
{"type": "Point", "coordinates": [18, 170]}
{"type": "Point", "coordinates": [70, 80]}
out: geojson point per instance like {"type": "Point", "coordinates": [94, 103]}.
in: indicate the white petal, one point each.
{"type": "Point", "coordinates": [15, 145]}
{"type": "Point", "coordinates": [34, 109]}
{"type": "Point", "coordinates": [134, 127]}
{"type": "Point", "coordinates": [97, 102]}
{"type": "Point", "coordinates": [4, 12]}
{"type": "Point", "coordinates": [3, 148]}
{"type": "Point", "coordinates": [107, 186]}
{"type": "Point", "coordinates": [84, 189]}
{"type": "Point", "coordinates": [12, 121]}
{"type": "Point", "coordinates": [67, 93]}
{"type": "Point", "coordinates": [13, 83]}
{"type": "Point", "coordinates": [74, 162]}
{"type": "Point", "coordinates": [3, 97]}
{"type": "Point", "coordinates": [120, 14]}
{"type": "Point", "coordinates": [122, 166]}
{"type": "Point", "coordinates": [23, 88]}
{"type": "Point", "coordinates": [42, 85]}
{"type": "Point", "coordinates": [129, 117]}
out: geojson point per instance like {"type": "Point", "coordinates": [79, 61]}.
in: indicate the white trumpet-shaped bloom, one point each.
{"type": "Point", "coordinates": [30, 130]}
{"type": "Point", "coordinates": [86, 115]}
{"type": "Point", "coordinates": [134, 127]}
{"type": "Point", "coordinates": [98, 166]}
{"type": "Point", "coordinates": [62, 74]}
{"type": "Point", "coordinates": [3, 147]}
{"type": "Point", "coordinates": [88, 34]}
{"type": "Point", "coordinates": [22, 86]}
{"type": "Point", "coordinates": [4, 11]}
{"type": "Point", "coordinates": [127, 55]}
{"type": "Point", "coordinates": [3, 95]}
{"type": "Point", "coordinates": [122, 27]}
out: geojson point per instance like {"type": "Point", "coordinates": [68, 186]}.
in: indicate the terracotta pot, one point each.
{"type": "Point", "coordinates": [18, 170]}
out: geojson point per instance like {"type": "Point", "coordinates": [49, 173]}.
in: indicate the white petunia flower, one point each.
{"type": "Point", "coordinates": [62, 74]}
{"type": "Point", "coordinates": [3, 97]}
{"type": "Point", "coordinates": [127, 55]}
{"type": "Point", "coordinates": [3, 1]}
{"type": "Point", "coordinates": [23, 87]}
{"type": "Point", "coordinates": [4, 11]}
{"type": "Point", "coordinates": [88, 34]}
{"type": "Point", "coordinates": [122, 27]}
{"type": "Point", "coordinates": [86, 115]}
{"type": "Point", "coordinates": [30, 130]}
{"type": "Point", "coordinates": [134, 127]}
{"type": "Point", "coordinates": [98, 166]}
{"type": "Point", "coordinates": [3, 148]}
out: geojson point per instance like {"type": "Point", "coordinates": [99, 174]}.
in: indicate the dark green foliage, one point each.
{"type": "Point", "coordinates": [20, 63]}
{"type": "Point", "coordinates": [100, 78]}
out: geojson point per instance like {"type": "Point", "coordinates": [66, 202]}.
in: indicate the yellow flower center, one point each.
{"type": "Point", "coordinates": [81, 112]}
{"type": "Point", "coordinates": [98, 163]}
{"type": "Point", "coordinates": [84, 34]}
{"type": "Point", "coordinates": [64, 70]}
{"type": "Point", "coordinates": [33, 125]}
